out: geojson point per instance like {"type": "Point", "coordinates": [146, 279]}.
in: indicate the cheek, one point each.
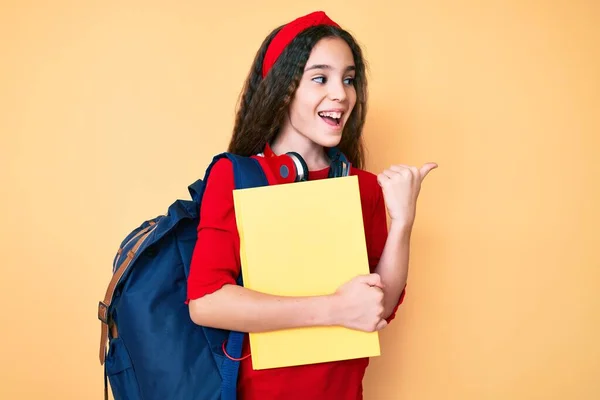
{"type": "Point", "coordinates": [305, 103]}
{"type": "Point", "coordinates": [352, 97]}
{"type": "Point", "coordinates": [309, 108]}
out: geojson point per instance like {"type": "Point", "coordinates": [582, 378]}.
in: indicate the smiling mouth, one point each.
{"type": "Point", "coordinates": [333, 118]}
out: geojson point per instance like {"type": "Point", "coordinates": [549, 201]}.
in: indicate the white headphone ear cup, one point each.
{"type": "Point", "coordinates": [301, 167]}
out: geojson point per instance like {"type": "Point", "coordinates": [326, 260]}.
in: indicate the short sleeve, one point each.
{"type": "Point", "coordinates": [377, 225]}
{"type": "Point", "coordinates": [215, 259]}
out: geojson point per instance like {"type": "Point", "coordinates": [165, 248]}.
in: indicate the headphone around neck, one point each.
{"type": "Point", "coordinates": [291, 167]}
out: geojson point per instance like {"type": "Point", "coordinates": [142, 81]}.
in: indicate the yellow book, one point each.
{"type": "Point", "coordinates": [303, 239]}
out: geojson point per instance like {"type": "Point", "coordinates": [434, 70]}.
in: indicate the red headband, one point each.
{"type": "Point", "coordinates": [289, 32]}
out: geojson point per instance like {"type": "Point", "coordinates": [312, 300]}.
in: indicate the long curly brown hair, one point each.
{"type": "Point", "coordinates": [264, 103]}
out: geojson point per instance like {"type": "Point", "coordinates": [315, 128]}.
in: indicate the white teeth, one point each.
{"type": "Point", "coordinates": [336, 115]}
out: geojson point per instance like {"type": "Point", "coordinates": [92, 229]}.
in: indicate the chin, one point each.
{"type": "Point", "coordinates": [329, 143]}
{"type": "Point", "coordinates": [329, 140]}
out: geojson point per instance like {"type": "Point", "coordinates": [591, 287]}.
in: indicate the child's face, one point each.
{"type": "Point", "coordinates": [326, 94]}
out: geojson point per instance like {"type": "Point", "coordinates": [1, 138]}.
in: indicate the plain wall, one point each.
{"type": "Point", "coordinates": [110, 109]}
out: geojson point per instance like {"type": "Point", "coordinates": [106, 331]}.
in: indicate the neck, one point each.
{"type": "Point", "coordinates": [313, 154]}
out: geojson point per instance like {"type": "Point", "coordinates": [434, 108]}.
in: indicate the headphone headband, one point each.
{"type": "Point", "coordinates": [301, 167]}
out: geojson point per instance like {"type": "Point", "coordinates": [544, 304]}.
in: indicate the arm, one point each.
{"type": "Point", "coordinates": [237, 308]}
{"type": "Point", "coordinates": [393, 266]}
{"type": "Point", "coordinates": [400, 187]}
{"type": "Point", "coordinates": [388, 251]}
{"type": "Point", "coordinates": [216, 300]}
{"type": "Point", "coordinates": [355, 305]}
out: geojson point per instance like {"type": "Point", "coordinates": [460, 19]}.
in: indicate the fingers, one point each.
{"type": "Point", "coordinates": [395, 172]}
{"type": "Point", "coordinates": [382, 324]}
{"type": "Point", "coordinates": [401, 168]}
{"type": "Point", "coordinates": [373, 280]}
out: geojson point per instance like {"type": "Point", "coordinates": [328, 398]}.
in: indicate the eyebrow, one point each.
{"type": "Point", "coordinates": [325, 66]}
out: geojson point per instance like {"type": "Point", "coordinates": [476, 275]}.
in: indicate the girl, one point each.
{"type": "Point", "coordinates": [306, 92]}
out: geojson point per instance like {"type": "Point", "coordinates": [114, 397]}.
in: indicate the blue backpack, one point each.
{"type": "Point", "coordinates": [155, 351]}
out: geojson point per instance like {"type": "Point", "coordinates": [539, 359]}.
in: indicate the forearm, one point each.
{"type": "Point", "coordinates": [393, 265]}
{"type": "Point", "coordinates": [237, 308]}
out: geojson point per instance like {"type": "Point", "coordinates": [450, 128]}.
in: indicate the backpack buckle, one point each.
{"type": "Point", "coordinates": [103, 312]}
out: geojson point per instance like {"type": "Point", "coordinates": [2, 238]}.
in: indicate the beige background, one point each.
{"type": "Point", "coordinates": [110, 109]}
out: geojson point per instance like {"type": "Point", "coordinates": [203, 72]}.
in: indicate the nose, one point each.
{"type": "Point", "coordinates": [337, 91]}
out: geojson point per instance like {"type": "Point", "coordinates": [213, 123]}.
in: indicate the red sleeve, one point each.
{"type": "Point", "coordinates": [377, 237]}
{"type": "Point", "coordinates": [215, 260]}
{"type": "Point", "coordinates": [377, 225]}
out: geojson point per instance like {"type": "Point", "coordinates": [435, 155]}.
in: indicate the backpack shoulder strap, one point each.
{"type": "Point", "coordinates": [247, 173]}
{"type": "Point", "coordinates": [103, 306]}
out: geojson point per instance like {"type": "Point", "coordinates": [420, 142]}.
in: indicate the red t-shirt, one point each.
{"type": "Point", "coordinates": [216, 262]}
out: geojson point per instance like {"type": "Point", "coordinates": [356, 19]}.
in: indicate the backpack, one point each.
{"type": "Point", "coordinates": [155, 351]}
